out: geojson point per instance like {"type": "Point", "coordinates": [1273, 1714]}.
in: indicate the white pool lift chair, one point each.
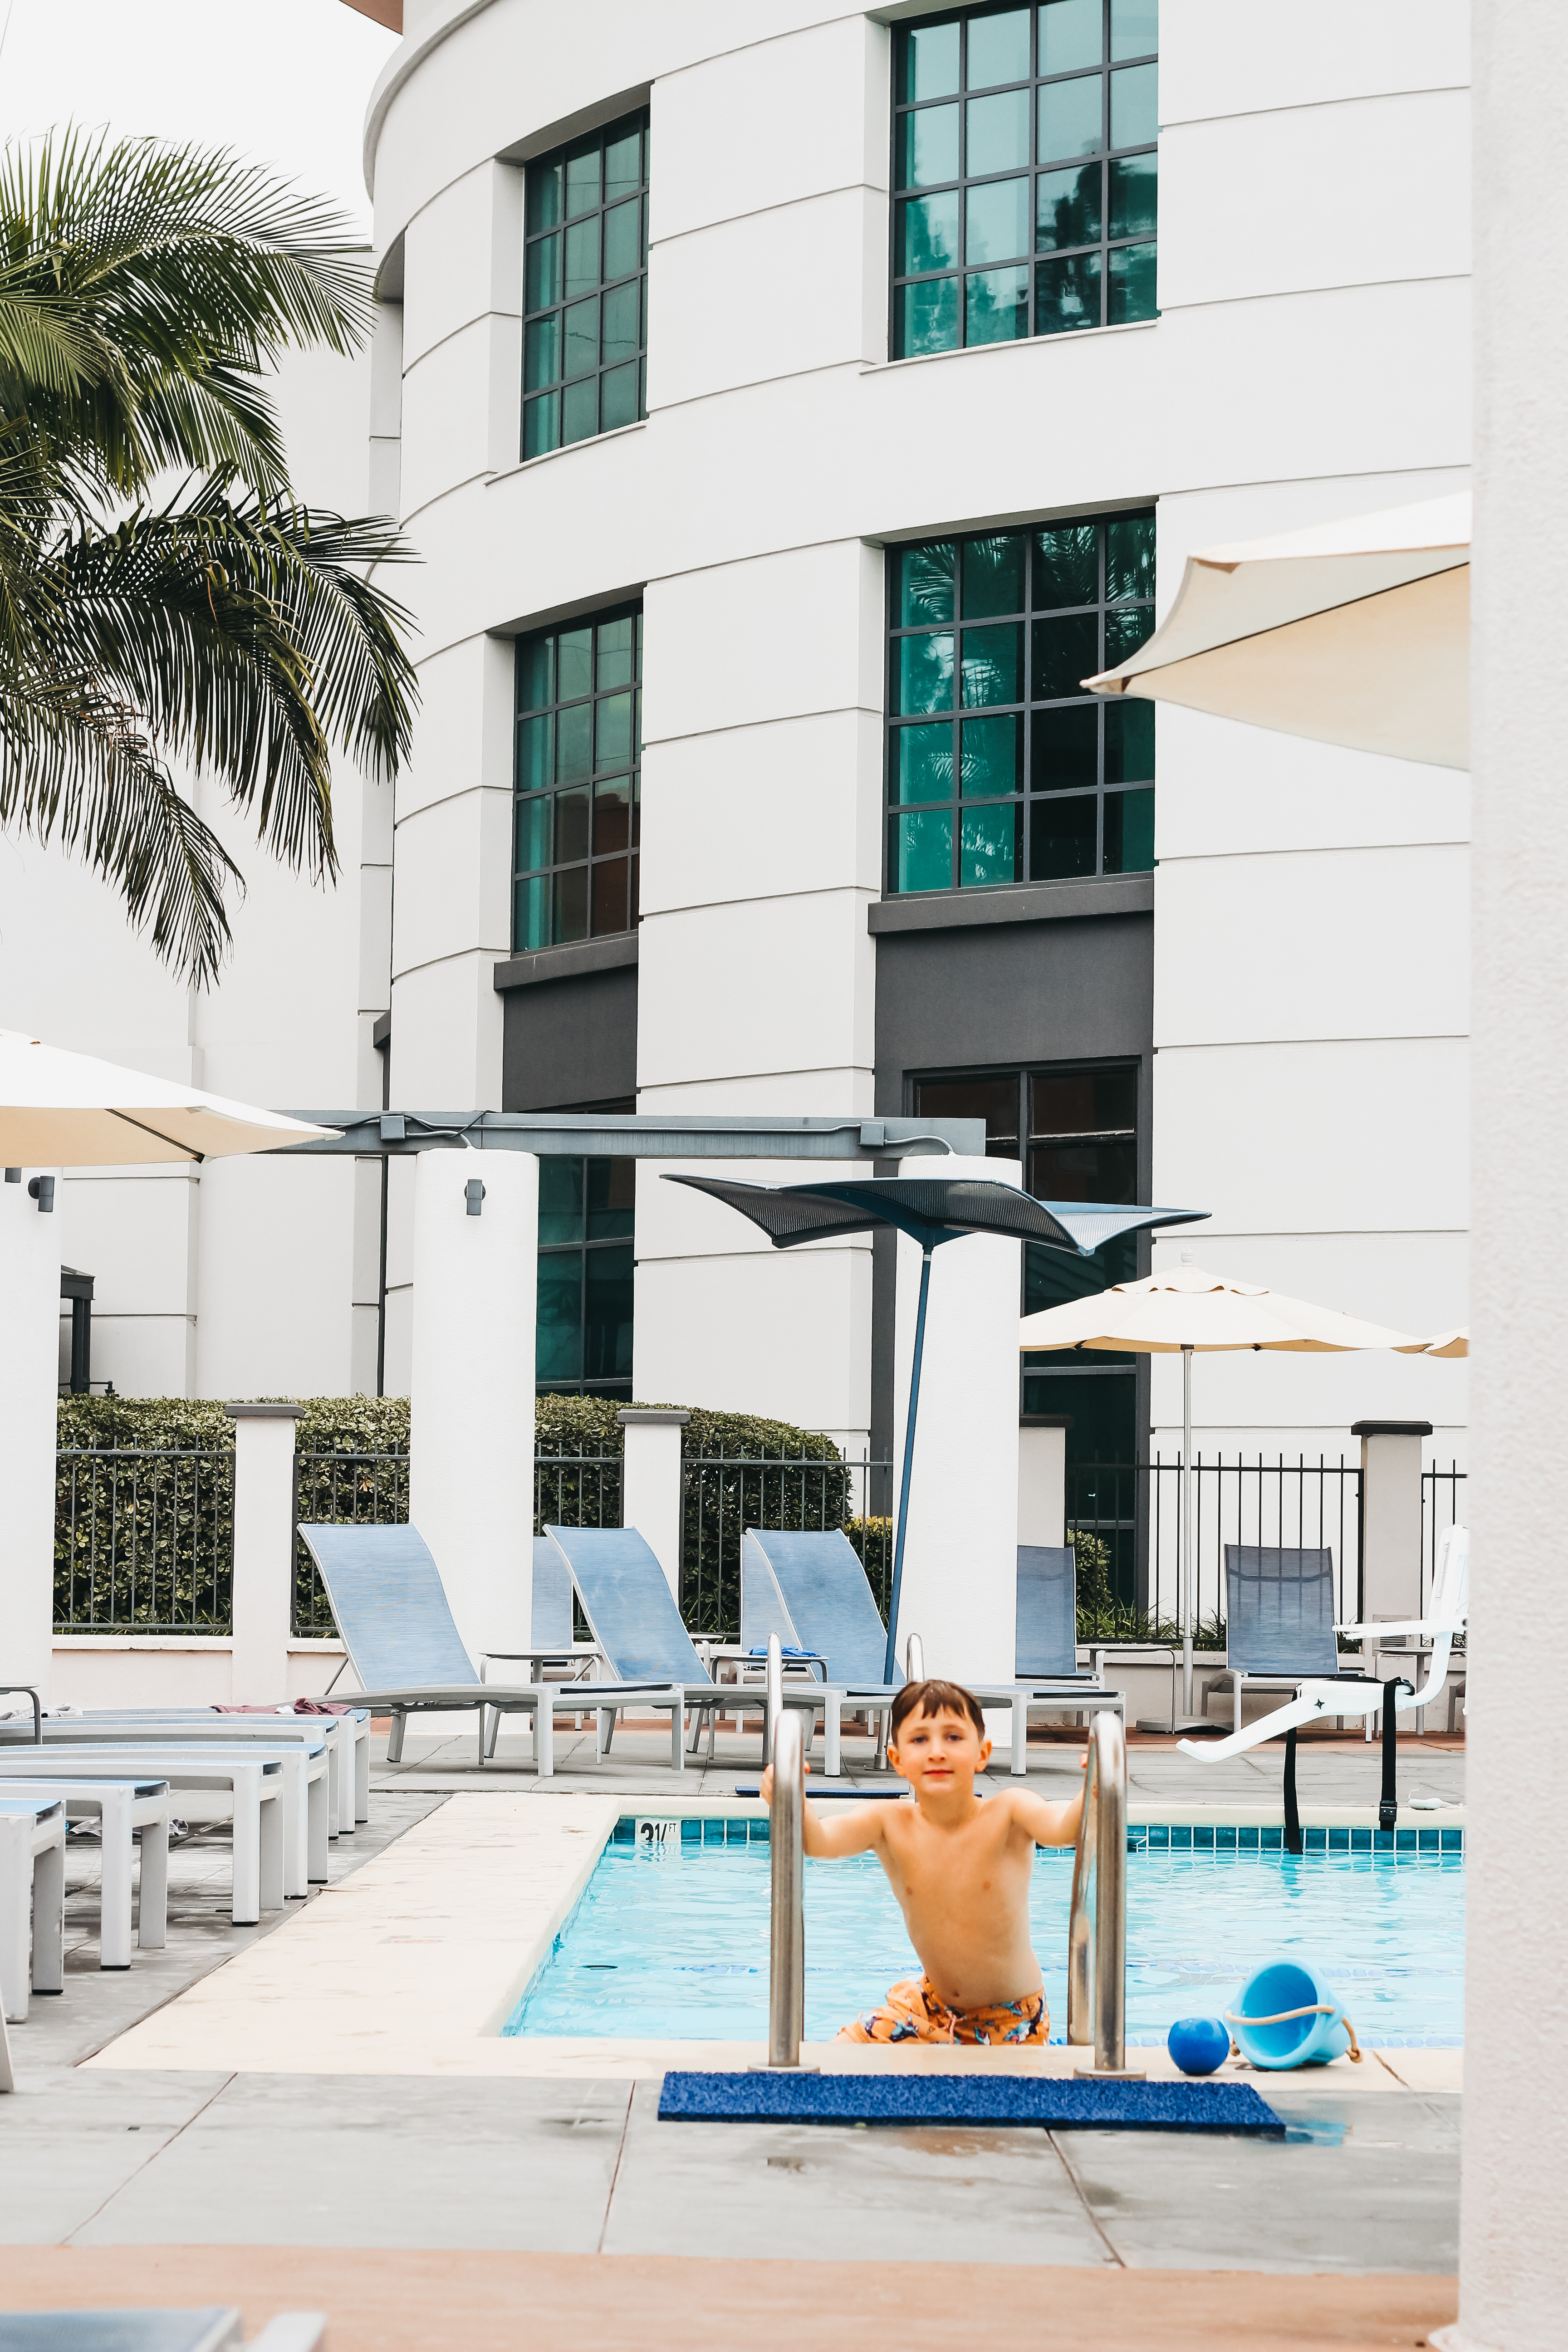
{"type": "Point", "coordinates": [1346, 1695]}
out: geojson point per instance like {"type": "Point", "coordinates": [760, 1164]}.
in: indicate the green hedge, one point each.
{"type": "Point", "coordinates": [171, 1558]}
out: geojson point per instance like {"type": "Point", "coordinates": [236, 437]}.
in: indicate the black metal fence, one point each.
{"type": "Point", "coordinates": [143, 1541]}
{"type": "Point", "coordinates": [340, 1490]}
{"type": "Point", "coordinates": [723, 1495]}
{"type": "Point", "coordinates": [1126, 1520]}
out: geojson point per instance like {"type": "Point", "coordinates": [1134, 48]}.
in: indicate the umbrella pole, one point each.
{"type": "Point", "coordinates": [891, 1662]}
{"type": "Point", "coordinates": [1186, 1530]}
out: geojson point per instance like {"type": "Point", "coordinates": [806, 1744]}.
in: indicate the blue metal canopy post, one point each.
{"type": "Point", "coordinates": [890, 1663]}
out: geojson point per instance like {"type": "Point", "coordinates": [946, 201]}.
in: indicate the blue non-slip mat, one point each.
{"type": "Point", "coordinates": [1038, 2102]}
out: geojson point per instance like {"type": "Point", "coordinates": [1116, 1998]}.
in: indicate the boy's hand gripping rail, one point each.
{"type": "Point", "coordinates": [1097, 1931]}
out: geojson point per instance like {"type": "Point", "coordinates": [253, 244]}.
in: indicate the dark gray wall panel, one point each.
{"type": "Point", "coordinates": [1011, 992]}
{"type": "Point", "coordinates": [571, 1041]}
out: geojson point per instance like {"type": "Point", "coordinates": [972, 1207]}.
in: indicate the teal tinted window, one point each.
{"type": "Point", "coordinates": [586, 1275]}
{"type": "Point", "coordinates": [1026, 168]}
{"type": "Point", "coordinates": [1001, 768]}
{"type": "Point", "coordinates": [578, 753]}
{"type": "Point", "coordinates": [584, 280]}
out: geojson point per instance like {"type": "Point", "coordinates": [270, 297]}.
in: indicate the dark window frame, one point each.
{"type": "Point", "coordinates": [1037, 263]}
{"type": "Point", "coordinates": [613, 1385]}
{"type": "Point", "coordinates": [1132, 1251]}
{"type": "Point", "coordinates": [547, 392]}
{"type": "Point", "coordinates": [599, 779]}
{"type": "Point", "coordinates": [1124, 729]}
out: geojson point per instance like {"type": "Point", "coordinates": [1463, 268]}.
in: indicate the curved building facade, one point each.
{"type": "Point", "coordinates": [790, 406]}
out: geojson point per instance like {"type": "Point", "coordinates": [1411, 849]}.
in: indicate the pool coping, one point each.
{"type": "Point", "coordinates": [412, 1965]}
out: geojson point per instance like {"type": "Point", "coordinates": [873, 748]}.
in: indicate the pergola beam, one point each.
{"type": "Point", "coordinates": [398, 1134]}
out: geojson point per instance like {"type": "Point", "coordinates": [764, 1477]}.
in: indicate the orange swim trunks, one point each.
{"type": "Point", "coordinates": [915, 2012]}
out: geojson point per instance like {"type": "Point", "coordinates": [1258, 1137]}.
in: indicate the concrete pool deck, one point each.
{"type": "Point", "coordinates": [321, 2114]}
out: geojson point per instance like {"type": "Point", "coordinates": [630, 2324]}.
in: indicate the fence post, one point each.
{"type": "Point", "coordinates": [263, 1549]}
{"type": "Point", "coordinates": [1391, 1517]}
{"type": "Point", "coordinates": [650, 1484]}
{"type": "Point", "coordinates": [1043, 1477]}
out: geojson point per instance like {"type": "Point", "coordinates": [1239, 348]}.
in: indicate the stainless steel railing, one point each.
{"type": "Point", "coordinates": [1097, 1929]}
{"type": "Point", "coordinates": [787, 1845]}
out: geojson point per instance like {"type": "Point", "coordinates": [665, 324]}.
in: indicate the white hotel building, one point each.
{"type": "Point", "coordinates": [789, 407]}
{"type": "Point", "coordinates": [952, 333]}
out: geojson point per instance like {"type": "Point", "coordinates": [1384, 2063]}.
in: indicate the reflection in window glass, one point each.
{"type": "Point", "coordinates": [1001, 768]}
{"type": "Point", "coordinates": [1035, 132]}
{"type": "Point", "coordinates": [579, 746]}
{"type": "Point", "coordinates": [587, 231]}
{"type": "Point", "coordinates": [586, 1274]}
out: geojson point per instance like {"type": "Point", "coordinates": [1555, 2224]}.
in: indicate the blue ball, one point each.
{"type": "Point", "coordinates": [1198, 2045]}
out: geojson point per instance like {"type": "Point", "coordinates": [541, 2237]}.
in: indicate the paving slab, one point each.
{"type": "Point", "coordinates": [1360, 2184]}
{"type": "Point", "coordinates": [330, 2161]}
{"type": "Point", "coordinates": [70, 2141]}
{"type": "Point", "coordinates": [821, 2193]}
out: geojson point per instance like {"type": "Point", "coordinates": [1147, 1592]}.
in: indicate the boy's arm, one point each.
{"type": "Point", "coordinates": [856, 1831]}
{"type": "Point", "coordinates": [1047, 1824]}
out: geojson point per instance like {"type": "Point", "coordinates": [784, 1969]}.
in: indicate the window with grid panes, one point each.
{"type": "Point", "coordinates": [582, 1343]}
{"type": "Point", "coordinates": [585, 289]}
{"type": "Point", "coordinates": [579, 746]}
{"type": "Point", "coordinates": [1000, 767]}
{"type": "Point", "coordinates": [1025, 172]}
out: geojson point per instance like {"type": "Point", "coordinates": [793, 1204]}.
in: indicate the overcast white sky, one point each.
{"type": "Point", "coordinates": [284, 81]}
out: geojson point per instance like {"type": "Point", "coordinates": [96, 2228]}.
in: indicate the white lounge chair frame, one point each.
{"type": "Point", "coordinates": [247, 1789]}
{"type": "Point", "coordinates": [32, 1902]}
{"type": "Point", "coordinates": [121, 1808]}
{"type": "Point", "coordinates": [303, 1757]}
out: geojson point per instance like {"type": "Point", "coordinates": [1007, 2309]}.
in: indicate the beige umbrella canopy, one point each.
{"type": "Point", "coordinates": [1189, 1312]}
{"type": "Point", "coordinates": [1450, 1343]}
{"type": "Point", "coordinates": [71, 1110]}
{"type": "Point", "coordinates": [1353, 633]}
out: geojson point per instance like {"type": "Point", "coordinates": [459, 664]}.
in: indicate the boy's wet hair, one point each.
{"type": "Point", "coordinates": [935, 1698]}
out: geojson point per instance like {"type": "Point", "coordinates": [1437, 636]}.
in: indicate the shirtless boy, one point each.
{"type": "Point", "coordinates": [960, 1867]}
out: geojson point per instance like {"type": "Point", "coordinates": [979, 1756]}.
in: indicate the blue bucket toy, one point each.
{"type": "Point", "coordinates": [1284, 2015]}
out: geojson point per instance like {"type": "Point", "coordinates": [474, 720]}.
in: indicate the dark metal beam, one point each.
{"type": "Point", "coordinates": [396, 1134]}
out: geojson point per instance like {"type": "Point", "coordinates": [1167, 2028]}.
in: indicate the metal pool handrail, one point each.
{"type": "Point", "coordinates": [786, 1930]}
{"type": "Point", "coordinates": [1097, 1932]}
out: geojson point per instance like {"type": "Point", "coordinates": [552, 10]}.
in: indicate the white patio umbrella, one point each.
{"type": "Point", "coordinates": [1191, 1312]}
{"type": "Point", "coordinates": [1450, 1343]}
{"type": "Point", "coordinates": [1353, 633]}
{"type": "Point", "coordinates": [70, 1110]}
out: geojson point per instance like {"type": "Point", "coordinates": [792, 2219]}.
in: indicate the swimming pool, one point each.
{"type": "Point", "coordinates": [669, 1941]}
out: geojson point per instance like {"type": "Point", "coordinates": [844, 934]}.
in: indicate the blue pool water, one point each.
{"type": "Point", "coordinates": [671, 1943]}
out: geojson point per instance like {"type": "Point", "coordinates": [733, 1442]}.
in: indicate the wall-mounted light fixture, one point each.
{"type": "Point", "coordinates": [42, 1189]}
{"type": "Point", "coordinates": [13, 1175]}
{"type": "Point", "coordinates": [474, 1194]}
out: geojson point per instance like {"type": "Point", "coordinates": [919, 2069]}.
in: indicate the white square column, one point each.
{"type": "Point", "coordinates": [264, 1439]}
{"type": "Point", "coordinates": [960, 1553]}
{"type": "Point", "coordinates": [471, 1390]}
{"type": "Point", "coordinates": [29, 1381]}
{"type": "Point", "coordinates": [651, 1485]}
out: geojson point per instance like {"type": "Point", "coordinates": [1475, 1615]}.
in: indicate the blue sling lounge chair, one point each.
{"type": "Point", "coordinates": [397, 1627]}
{"type": "Point", "coordinates": [633, 1617]}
